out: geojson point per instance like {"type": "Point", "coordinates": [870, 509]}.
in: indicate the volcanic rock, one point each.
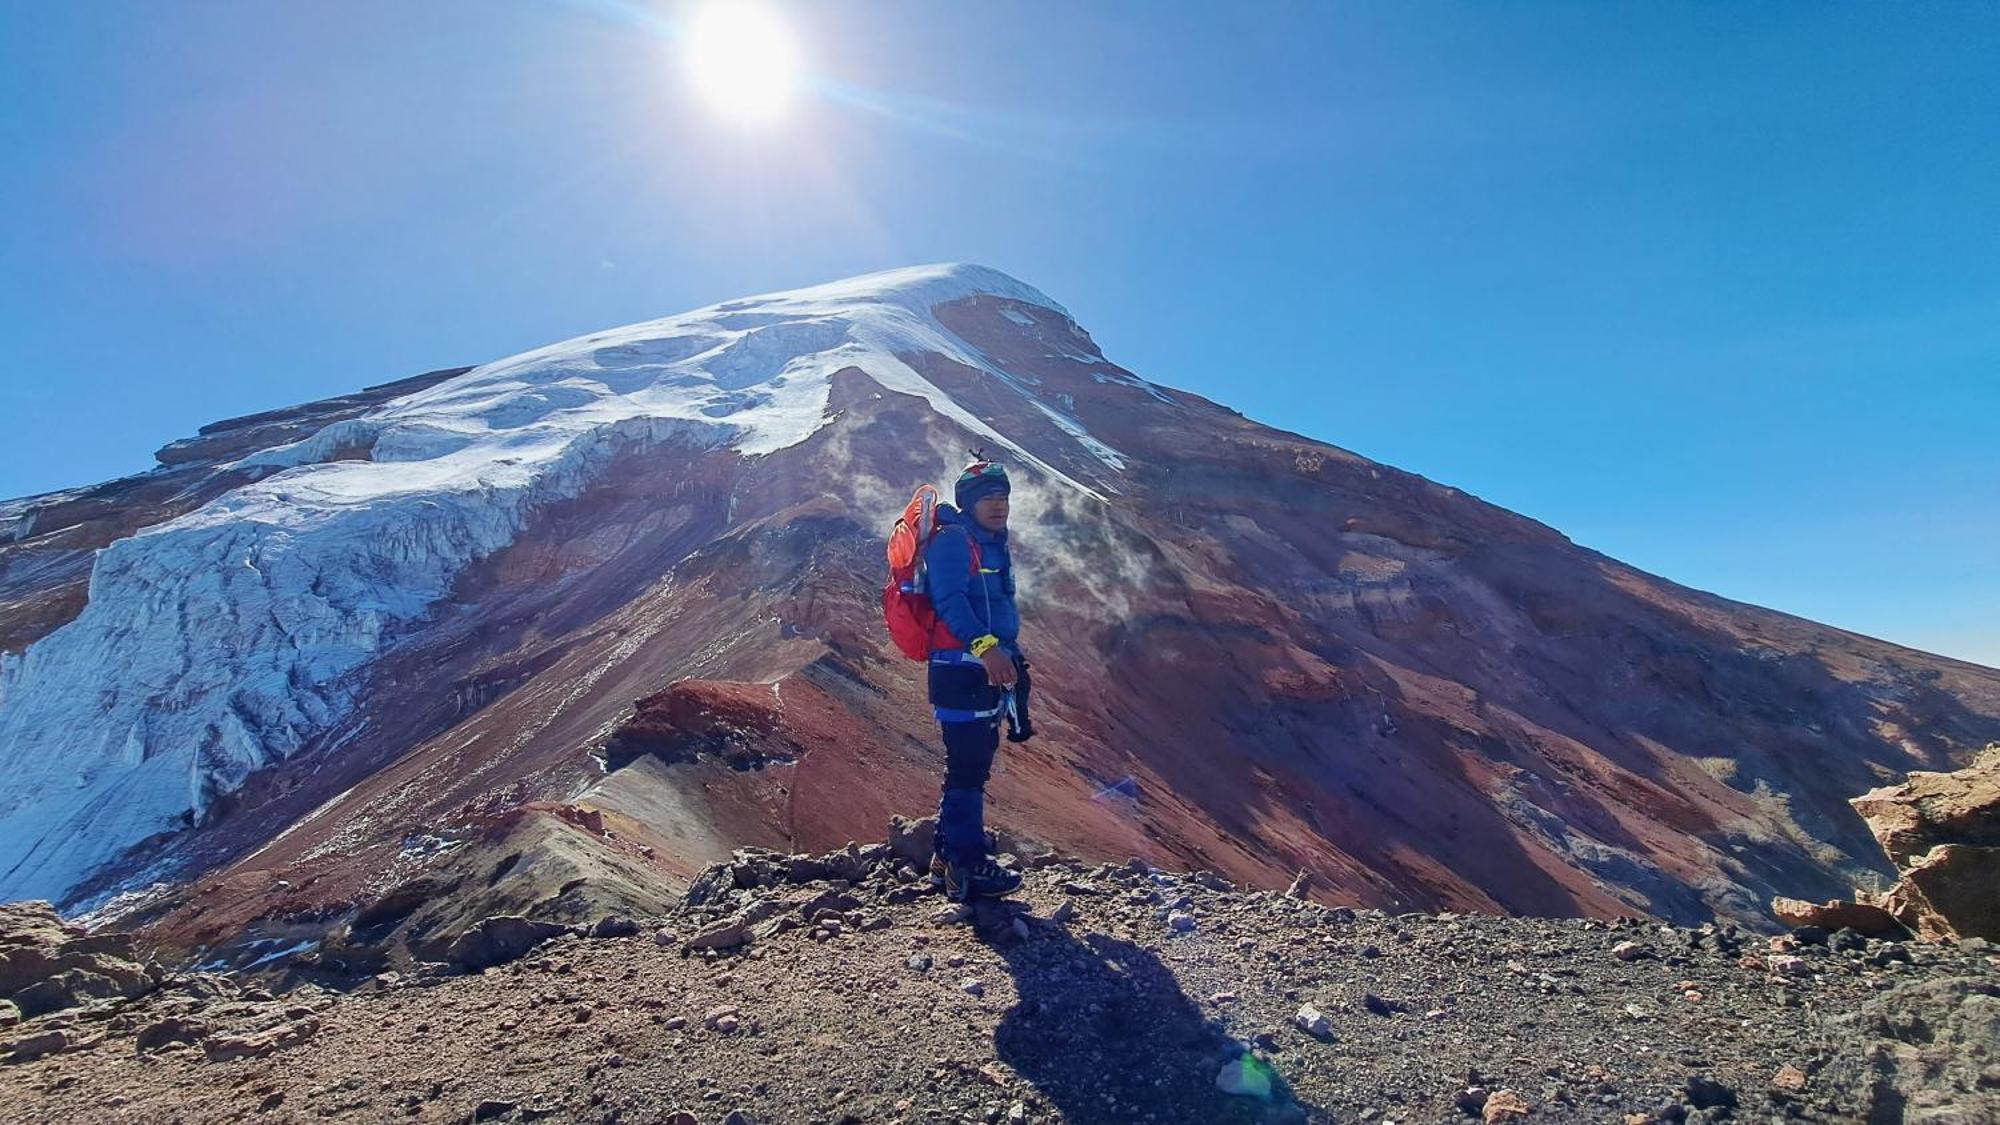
{"type": "Point", "coordinates": [1504, 1105]}
{"type": "Point", "coordinates": [1949, 893]}
{"type": "Point", "coordinates": [48, 965]}
{"type": "Point", "coordinates": [1312, 1021]}
{"type": "Point", "coordinates": [1942, 830]}
{"type": "Point", "coordinates": [1928, 1051]}
{"type": "Point", "coordinates": [1835, 914]}
{"type": "Point", "coordinates": [496, 941]}
{"type": "Point", "coordinates": [34, 1046]}
{"type": "Point", "coordinates": [1927, 809]}
{"type": "Point", "coordinates": [726, 934]}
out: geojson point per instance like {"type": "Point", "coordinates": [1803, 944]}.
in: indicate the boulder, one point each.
{"type": "Point", "coordinates": [70, 988]}
{"type": "Point", "coordinates": [912, 840]}
{"type": "Point", "coordinates": [1928, 809]}
{"type": "Point", "coordinates": [1313, 1022]}
{"type": "Point", "coordinates": [614, 926]}
{"type": "Point", "coordinates": [173, 1029]}
{"type": "Point", "coordinates": [1835, 915]}
{"type": "Point", "coordinates": [1950, 893]}
{"type": "Point", "coordinates": [726, 934]}
{"type": "Point", "coordinates": [498, 940]}
{"type": "Point", "coordinates": [35, 1046]}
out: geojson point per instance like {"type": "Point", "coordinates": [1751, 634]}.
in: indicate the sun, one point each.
{"type": "Point", "coordinates": [743, 60]}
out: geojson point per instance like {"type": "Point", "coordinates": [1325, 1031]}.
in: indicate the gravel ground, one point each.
{"type": "Point", "coordinates": [1101, 994]}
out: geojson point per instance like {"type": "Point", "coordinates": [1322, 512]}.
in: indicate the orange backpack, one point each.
{"type": "Point", "coordinates": [906, 602]}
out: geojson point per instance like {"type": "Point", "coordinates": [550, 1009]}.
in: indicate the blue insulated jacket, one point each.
{"type": "Point", "coordinates": [971, 605]}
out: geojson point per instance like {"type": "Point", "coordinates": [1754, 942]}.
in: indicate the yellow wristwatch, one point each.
{"type": "Point", "coordinates": [980, 645]}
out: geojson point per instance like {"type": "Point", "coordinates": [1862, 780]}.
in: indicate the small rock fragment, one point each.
{"type": "Point", "coordinates": [1789, 1079]}
{"type": "Point", "coordinates": [1313, 1022]}
{"type": "Point", "coordinates": [714, 1017]}
{"type": "Point", "coordinates": [1629, 951]}
{"type": "Point", "coordinates": [1504, 1105]}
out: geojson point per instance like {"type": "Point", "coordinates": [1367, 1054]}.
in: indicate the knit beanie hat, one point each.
{"type": "Point", "coordinates": [980, 479]}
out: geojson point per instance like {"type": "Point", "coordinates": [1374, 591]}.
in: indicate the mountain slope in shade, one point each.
{"type": "Point", "coordinates": [554, 632]}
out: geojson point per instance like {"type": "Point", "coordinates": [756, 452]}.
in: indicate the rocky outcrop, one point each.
{"type": "Point", "coordinates": [1927, 810]}
{"type": "Point", "coordinates": [48, 965]}
{"type": "Point", "coordinates": [1942, 831]}
{"type": "Point", "coordinates": [1950, 893]}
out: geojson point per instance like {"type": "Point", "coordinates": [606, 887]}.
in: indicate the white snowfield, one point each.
{"type": "Point", "coordinates": [217, 643]}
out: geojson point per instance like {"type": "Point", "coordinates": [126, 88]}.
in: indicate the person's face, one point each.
{"type": "Point", "coordinates": [991, 512]}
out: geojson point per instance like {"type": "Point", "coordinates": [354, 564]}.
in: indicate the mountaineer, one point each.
{"type": "Point", "coordinates": [950, 602]}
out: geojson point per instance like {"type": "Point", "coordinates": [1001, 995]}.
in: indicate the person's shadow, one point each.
{"type": "Point", "coordinates": [1105, 1034]}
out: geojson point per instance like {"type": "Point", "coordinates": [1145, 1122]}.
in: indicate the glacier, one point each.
{"type": "Point", "coordinates": [217, 643]}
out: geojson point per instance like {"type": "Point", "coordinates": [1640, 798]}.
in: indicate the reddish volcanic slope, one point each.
{"type": "Point", "coordinates": [1256, 653]}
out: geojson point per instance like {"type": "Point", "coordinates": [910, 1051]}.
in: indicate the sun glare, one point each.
{"type": "Point", "coordinates": [743, 60]}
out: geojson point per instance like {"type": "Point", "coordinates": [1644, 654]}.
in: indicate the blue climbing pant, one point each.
{"type": "Point", "coordinates": [968, 762]}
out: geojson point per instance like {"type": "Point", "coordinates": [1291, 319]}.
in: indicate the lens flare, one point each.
{"type": "Point", "coordinates": [742, 60]}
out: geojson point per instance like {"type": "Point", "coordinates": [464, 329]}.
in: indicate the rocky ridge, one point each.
{"type": "Point", "coordinates": [842, 988]}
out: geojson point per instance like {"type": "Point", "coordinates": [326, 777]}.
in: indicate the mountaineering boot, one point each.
{"type": "Point", "coordinates": [985, 879]}
{"type": "Point", "coordinates": [938, 863]}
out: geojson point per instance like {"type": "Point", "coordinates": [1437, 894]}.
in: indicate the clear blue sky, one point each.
{"type": "Point", "coordinates": [1714, 288]}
